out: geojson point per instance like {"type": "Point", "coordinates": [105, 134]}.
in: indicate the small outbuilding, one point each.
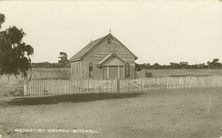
{"type": "Point", "coordinates": [103, 58]}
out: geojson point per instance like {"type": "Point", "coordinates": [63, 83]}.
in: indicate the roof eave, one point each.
{"type": "Point", "coordinates": [110, 56]}
{"type": "Point", "coordinates": [74, 60]}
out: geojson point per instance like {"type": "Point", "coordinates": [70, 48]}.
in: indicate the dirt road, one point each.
{"type": "Point", "coordinates": [163, 113]}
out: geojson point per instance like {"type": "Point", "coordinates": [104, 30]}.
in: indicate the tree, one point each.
{"type": "Point", "coordinates": [63, 58]}
{"type": "Point", "coordinates": [156, 66]}
{"type": "Point", "coordinates": [215, 61]}
{"type": "Point", "coordinates": [14, 53]}
{"type": "Point", "coordinates": [2, 19]}
{"type": "Point", "coordinates": [138, 67]}
{"type": "Point", "coordinates": [174, 65]}
{"type": "Point", "coordinates": [214, 64]}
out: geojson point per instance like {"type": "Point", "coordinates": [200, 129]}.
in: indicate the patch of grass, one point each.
{"type": "Point", "coordinates": [69, 98]}
{"type": "Point", "coordinates": [11, 89]}
{"type": "Point", "coordinates": [16, 92]}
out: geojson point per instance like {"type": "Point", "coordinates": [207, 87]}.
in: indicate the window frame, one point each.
{"type": "Point", "coordinates": [109, 40]}
{"type": "Point", "coordinates": [127, 70]}
{"type": "Point", "coordinates": [90, 70]}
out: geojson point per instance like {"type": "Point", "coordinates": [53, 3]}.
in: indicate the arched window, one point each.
{"type": "Point", "coordinates": [127, 70]}
{"type": "Point", "coordinates": [90, 69]}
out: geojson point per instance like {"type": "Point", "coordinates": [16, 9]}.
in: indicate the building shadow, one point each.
{"type": "Point", "coordinates": [69, 98]}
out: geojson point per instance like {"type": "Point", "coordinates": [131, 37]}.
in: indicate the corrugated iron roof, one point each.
{"type": "Point", "coordinates": [79, 55]}
{"type": "Point", "coordinates": [86, 49]}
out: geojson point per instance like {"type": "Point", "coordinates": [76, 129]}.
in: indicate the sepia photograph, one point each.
{"type": "Point", "coordinates": [111, 69]}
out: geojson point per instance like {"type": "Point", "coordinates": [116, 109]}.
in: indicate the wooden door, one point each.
{"type": "Point", "coordinates": [113, 72]}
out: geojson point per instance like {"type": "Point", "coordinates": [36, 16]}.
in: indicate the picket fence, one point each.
{"type": "Point", "coordinates": [61, 87]}
{"type": "Point", "coordinates": [182, 82]}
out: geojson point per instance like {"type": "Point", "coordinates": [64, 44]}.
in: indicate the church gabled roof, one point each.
{"type": "Point", "coordinates": [79, 55]}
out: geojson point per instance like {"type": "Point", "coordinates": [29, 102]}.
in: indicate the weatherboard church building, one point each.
{"type": "Point", "coordinates": [103, 58]}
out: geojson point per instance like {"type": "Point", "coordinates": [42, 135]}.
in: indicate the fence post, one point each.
{"type": "Point", "coordinates": [99, 84]}
{"type": "Point", "coordinates": [25, 88]}
{"type": "Point", "coordinates": [142, 84]}
{"type": "Point", "coordinates": [117, 85]}
{"type": "Point", "coordinates": [87, 85]}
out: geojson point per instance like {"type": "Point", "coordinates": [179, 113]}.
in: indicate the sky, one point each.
{"type": "Point", "coordinates": [155, 31]}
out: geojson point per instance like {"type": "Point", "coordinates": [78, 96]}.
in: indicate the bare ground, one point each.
{"type": "Point", "coordinates": [162, 113]}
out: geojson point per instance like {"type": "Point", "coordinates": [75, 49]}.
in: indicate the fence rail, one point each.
{"type": "Point", "coordinates": [61, 87]}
